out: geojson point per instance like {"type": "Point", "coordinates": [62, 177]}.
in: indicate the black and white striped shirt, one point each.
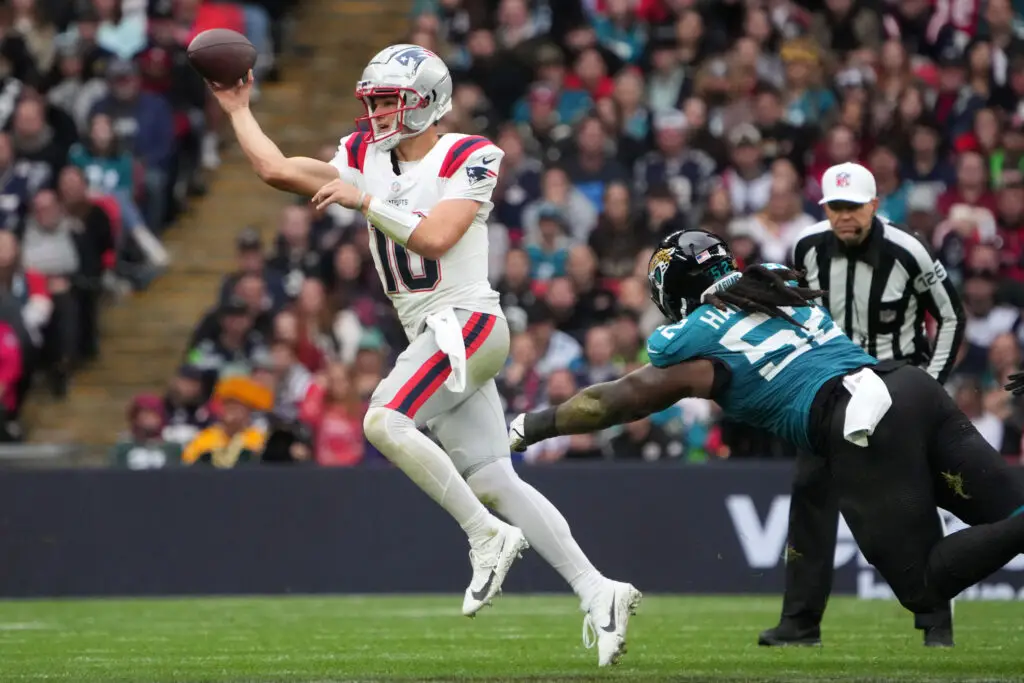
{"type": "Point", "coordinates": [880, 290]}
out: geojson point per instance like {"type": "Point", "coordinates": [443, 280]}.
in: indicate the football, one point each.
{"type": "Point", "coordinates": [221, 55]}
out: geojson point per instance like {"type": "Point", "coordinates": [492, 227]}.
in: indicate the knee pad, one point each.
{"type": "Point", "coordinates": [492, 481]}
{"type": "Point", "coordinates": [379, 421]}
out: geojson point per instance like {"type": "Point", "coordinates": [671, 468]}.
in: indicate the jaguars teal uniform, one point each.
{"type": "Point", "coordinates": [777, 368]}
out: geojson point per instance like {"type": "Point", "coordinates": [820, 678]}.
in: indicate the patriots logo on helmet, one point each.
{"type": "Point", "coordinates": [843, 180]}
{"type": "Point", "coordinates": [478, 173]}
{"type": "Point", "coordinates": [412, 56]}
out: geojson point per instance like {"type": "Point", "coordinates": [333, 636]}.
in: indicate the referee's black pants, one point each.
{"type": "Point", "coordinates": [924, 453]}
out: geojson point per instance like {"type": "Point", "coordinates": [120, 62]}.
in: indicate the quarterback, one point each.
{"type": "Point", "coordinates": [426, 198]}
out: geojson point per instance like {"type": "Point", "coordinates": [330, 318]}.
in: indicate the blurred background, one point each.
{"type": "Point", "coordinates": [142, 262]}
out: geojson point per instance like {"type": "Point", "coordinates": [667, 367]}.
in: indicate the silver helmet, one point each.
{"type": "Point", "coordinates": [422, 83]}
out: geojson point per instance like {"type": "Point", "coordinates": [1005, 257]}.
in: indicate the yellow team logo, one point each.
{"type": "Point", "coordinates": [658, 265]}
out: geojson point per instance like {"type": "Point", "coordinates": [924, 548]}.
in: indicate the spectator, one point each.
{"type": "Point", "coordinates": [515, 286]}
{"type": "Point", "coordinates": [806, 100]}
{"type": "Point", "coordinates": [520, 385]}
{"type": "Point", "coordinates": [252, 261]}
{"type": "Point", "coordinates": [598, 361]}
{"type": "Point", "coordinates": [774, 230]}
{"type": "Point", "coordinates": [557, 190]}
{"type": "Point", "coordinates": [333, 410]}
{"type": "Point", "coordinates": [144, 447]}
{"type": "Point", "coordinates": [747, 180]}
{"type": "Point", "coordinates": [233, 440]}
{"type": "Point", "coordinates": [230, 349]}
{"type": "Point", "coordinates": [144, 124]}
{"type": "Point", "coordinates": [109, 169]}
{"type": "Point", "coordinates": [316, 321]}
{"type": "Point", "coordinates": [78, 87]}
{"type": "Point", "coordinates": [672, 164]}
{"type": "Point", "coordinates": [555, 349]}
{"type": "Point", "coordinates": [296, 255]}
{"type": "Point", "coordinates": [94, 244]}
{"type": "Point", "coordinates": [615, 241]}
{"type": "Point", "coordinates": [15, 188]}
{"type": "Point", "coordinates": [49, 248]}
{"type": "Point", "coordinates": [892, 191]}
{"type": "Point", "coordinates": [37, 32]}
{"type": "Point", "coordinates": [12, 369]}
{"type": "Point", "coordinates": [549, 253]}
{"type": "Point", "coordinates": [646, 441]}
{"type": "Point", "coordinates": [561, 386]}
{"type": "Point", "coordinates": [248, 289]}
{"type": "Point", "coordinates": [36, 144]}
{"type": "Point", "coordinates": [291, 380]}
{"type": "Point", "coordinates": [594, 302]}
{"type": "Point", "coordinates": [185, 410]}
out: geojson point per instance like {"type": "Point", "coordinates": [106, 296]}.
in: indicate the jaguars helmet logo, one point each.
{"type": "Point", "coordinates": [658, 265]}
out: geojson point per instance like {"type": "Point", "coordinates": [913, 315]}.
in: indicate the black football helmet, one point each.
{"type": "Point", "coordinates": [684, 266]}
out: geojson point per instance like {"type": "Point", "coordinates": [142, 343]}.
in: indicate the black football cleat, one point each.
{"type": "Point", "coordinates": [789, 634]}
{"type": "Point", "coordinates": [938, 636]}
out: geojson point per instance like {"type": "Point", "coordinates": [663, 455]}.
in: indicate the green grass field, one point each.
{"type": "Point", "coordinates": [520, 638]}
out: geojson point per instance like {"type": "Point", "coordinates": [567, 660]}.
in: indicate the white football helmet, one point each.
{"type": "Point", "coordinates": [422, 83]}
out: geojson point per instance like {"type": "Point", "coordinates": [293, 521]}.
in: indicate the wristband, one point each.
{"type": "Point", "coordinates": [539, 426]}
{"type": "Point", "coordinates": [392, 221]}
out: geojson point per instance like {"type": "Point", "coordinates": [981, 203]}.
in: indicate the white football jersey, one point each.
{"type": "Point", "coordinates": [458, 167]}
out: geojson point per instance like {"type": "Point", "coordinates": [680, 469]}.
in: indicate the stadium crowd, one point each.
{"type": "Point", "coordinates": [105, 134]}
{"type": "Point", "coordinates": [623, 120]}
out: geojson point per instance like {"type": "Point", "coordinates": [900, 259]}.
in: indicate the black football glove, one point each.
{"type": "Point", "coordinates": [1016, 384]}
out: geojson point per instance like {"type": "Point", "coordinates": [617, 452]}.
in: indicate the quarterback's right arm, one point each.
{"type": "Point", "coordinates": [301, 175]}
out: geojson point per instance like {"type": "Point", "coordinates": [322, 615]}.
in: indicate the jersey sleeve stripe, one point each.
{"type": "Point", "coordinates": [356, 147]}
{"type": "Point", "coordinates": [459, 152]}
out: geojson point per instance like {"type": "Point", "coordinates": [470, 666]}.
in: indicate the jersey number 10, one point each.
{"type": "Point", "coordinates": [394, 256]}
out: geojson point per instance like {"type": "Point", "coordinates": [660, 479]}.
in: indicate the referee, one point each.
{"type": "Point", "coordinates": [880, 282]}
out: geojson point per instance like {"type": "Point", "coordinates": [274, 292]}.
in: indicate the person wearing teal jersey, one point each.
{"type": "Point", "coordinates": [107, 169]}
{"type": "Point", "coordinates": [894, 441]}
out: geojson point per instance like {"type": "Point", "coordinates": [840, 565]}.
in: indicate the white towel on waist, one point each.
{"type": "Point", "coordinates": [448, 335]}
{"type": "Point", "coordinates": [869, 402]}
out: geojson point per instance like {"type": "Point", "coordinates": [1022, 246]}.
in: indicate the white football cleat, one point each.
{"type": "Point", "coordinates": [607, 619]}
{"type": "Point", "coordinates": [491, 562]}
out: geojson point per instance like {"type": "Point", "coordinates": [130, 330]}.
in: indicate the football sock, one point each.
{"type": "Point", "coordinates": [968, 556]}
{"type": "Point", "coordinates": [543, 525]}
{"type": "Point", "coordinates": [423, 461]}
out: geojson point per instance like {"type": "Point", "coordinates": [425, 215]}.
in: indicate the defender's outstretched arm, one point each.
{"type": "Point", "coordinates": [641, 393]}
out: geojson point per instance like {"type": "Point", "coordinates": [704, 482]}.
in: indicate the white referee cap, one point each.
{"type": "Point", "coordinates": [848, 182]}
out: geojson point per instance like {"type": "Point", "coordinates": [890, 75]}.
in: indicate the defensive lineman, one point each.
{"type": "Point", "coordinates": [894, 441]}
{"type": "Point", "coordinates": [427, 198]}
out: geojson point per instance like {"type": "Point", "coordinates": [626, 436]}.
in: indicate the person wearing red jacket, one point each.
{"type": "Point", "coordinates": [334, 412]}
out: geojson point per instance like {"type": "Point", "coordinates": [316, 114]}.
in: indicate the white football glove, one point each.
{"type": "Point", "coordinates": [517, 434]}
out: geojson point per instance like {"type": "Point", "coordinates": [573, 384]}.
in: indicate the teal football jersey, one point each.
{"type": "Point", "coordinates": [777, 368]}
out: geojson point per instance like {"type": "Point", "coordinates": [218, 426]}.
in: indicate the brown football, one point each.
{"type": "Point", "coordinates": [221, 55]}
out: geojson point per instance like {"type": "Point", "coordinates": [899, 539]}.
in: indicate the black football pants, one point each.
{"type": "Point", "coordinates": [924, 453]}
{"type": "Point", "coordinates": [811, 546]}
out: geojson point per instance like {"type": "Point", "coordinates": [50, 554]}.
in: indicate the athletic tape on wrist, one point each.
{"type": "Point", "coordinates": [395, 223]}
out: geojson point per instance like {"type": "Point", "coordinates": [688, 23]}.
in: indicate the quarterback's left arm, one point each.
{"type": "Point", "coordinates": [937, 294]}
{"type": "Point", "coordinates": [643, 392]}
{"type": "Point", "coordinates": [469, 181]}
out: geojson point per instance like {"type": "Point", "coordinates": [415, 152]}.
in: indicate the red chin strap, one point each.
{"type": "Point", "coordinates": [365, 95]}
